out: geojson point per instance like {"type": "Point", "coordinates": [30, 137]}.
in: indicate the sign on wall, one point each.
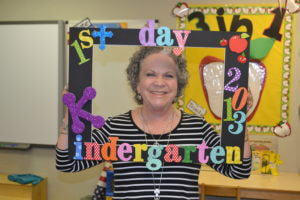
{"type": "Point", "coordinates": [271, 47]}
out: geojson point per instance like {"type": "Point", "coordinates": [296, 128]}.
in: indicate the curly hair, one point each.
{"type": "Point", "coordinates": [133, 69]}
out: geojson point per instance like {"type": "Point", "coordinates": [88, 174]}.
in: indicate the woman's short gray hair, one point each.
{"type": "Point", "coordinates": [133, 69]}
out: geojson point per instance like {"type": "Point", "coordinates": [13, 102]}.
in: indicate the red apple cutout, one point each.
{"type": "Point", "coordinates": [181, 9]}
{"type": "Point", "coordinates": [283, 129]}
{"type": "Point", "coordinates": [241, 59]}
{"type": "Point", "coordinates": [223, 42]}
{"type": "Point", "coordinates": [237, 44]}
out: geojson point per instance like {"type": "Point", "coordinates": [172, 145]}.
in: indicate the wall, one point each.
{"type": "Point", "coordinates": [41, 160]}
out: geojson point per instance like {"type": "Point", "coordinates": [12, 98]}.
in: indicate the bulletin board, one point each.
{"type": "Point", "coordinates": [269, 72]}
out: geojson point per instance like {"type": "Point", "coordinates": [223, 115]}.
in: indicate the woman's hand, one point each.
{"type": "Point", "coordinates": [247, 149]}
{"type": "Point", "coordinates": [62, 141]}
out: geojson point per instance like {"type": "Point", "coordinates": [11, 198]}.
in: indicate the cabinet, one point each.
{"type": "Point", "coordinates": [10, 190]}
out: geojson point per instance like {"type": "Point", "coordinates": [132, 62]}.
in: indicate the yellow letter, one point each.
{"type": "Point", "coordinates": [87, 39]}
{"type": "Point", "coordinates": [138, 148]}
{"type": "Point", "coordinates": [229, 155]}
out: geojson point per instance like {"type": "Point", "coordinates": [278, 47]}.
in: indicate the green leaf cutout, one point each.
{"type": "Point", "coordinates": [260, 47]}
{"type": "Point", "coordinates": [244, 35]}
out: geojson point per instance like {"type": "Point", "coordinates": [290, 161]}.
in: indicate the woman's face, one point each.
{"type": "Point", "coordinates": [158, 81]}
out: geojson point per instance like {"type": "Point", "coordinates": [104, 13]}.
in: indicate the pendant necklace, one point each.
{"type": "Point", "coordinates": [156, 189]}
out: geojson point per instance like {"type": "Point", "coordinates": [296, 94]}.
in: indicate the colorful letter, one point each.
{"type": "Point", "coordinates": [201, 152]}
{"type": "Point", "coordinates": [124, 148]}
{"type": "Point", "coordinates": [138, 148]}
{"type": "Point", "coordinates": [113, 152]}
{"type": "Point", "coordinates": [78, 145]}
{"type": "Point", "coordinates": [150, 30]}
{"type": "Point", "coordinates": [187, 153]}
{"type": "Point", "coordinates": [164, 37]}
{"type": "Point", "coordinates": [90, 148]}
{"type": "Point", "coordinates": [229, 155]}
{"type": "Point", "coordinates": [154, 152]}
{"type": "Point", "coordinates": [217, 151]}
{"type": "Point", "coordinates": [172, 154]}
{"type": "Point", "coordinates": [87, 39]}
{"type": "Point", "coordinates": [180, 41]}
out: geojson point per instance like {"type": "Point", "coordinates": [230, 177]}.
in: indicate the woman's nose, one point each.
{"type": "Point", "coordinates": [159, 81]}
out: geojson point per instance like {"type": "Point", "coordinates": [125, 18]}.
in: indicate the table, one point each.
{"type": "Point", "coordinates": [10, 190]}
{"type": "Point", "coordinates": [285, 186]}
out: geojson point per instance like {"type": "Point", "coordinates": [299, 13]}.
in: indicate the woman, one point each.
{"type": "Point", "coordinates": [158, 78]}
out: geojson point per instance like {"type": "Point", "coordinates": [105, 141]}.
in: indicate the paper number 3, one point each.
{"type": "Point", "coordinates": [232, 103]}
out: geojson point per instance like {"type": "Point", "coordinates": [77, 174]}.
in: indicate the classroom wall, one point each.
{"type": "Point", "coordinates": [40, 160]}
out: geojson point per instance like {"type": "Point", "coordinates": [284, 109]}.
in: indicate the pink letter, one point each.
{"type": "Point", "coordinates": [201, 152]}
{"type": "Point", "coordinates": [124, 148]}
{"type": "Point", "coordinates": [180, 41]}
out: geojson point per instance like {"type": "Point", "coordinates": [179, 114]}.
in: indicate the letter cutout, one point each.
{"type": "Point", "coordinates": [76, 110]}
{"type": "Point", "coordinates": [217, 151]}
{"type": "Point", "coordinates": [113, 149]}
{"type": "Point", "coordinates": [164, 37]}
{"type": "Point", "coordinates": [150, 30]}
{"type": "Point", "coordinates": [201, 152]}
{"type": "Point", "coordinates": [90, 148]}
{"type": "Point", "coordinates": [138, 152]}
{"type": "Point", "coordinates": [187, 153]}
{"type": "Point", "coordinates": [181, 41]}
{"type": "Point", "coordinates": [229, 155]}
{"type": "Point", "coordinates": [87, 39]}
{"type": "Point", "coordinates": [154, 152]}
{"type": "Point", "coordinates": [124, 148]}
{"type": "Point", "coordinates": [78, 145]}
{"type": "Point", "coordinates": [172, 154]}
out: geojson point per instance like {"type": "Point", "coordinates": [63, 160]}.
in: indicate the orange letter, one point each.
{"type": "Point", "coordinates": [113, 149]}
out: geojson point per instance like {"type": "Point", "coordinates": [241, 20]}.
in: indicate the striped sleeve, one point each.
{"type": "Point", "coordinates": [236, 171]}
{"type": "Point", "coordinates": [65, 164]}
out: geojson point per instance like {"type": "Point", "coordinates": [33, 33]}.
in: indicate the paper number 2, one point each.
{"type": "Point", "coordinates": [236, 77]}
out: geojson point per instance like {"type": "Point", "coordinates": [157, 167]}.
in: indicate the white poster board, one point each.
{"type": "Point", "coordinates": [31, 81]}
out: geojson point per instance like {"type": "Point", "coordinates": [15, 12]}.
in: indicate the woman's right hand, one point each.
{"type": "Point", "coordinates": [62, 141]}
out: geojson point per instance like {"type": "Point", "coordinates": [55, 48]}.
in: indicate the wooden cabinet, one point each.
{"type": "Point", "coordinates": [10, 190]}
{"type": "Point", "coordinates": [285, 186]}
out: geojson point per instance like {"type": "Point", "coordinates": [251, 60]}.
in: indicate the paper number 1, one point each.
{"type": "Point", "coordinates": [83, 59]}
{"type": "Point", "coordinates": [231, 103]}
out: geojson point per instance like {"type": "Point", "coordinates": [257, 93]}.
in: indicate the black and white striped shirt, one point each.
{"type": "Point", "coordinates": [133, 180]}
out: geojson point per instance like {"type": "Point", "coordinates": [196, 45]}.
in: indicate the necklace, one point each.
{"type": "Point", "coordinates": [170, 123]}
{"type": "Point", "coordinates": [156, 189]}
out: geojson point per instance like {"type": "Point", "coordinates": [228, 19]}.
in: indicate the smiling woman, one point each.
{"type": "Point", "coordinates": [157, 77]}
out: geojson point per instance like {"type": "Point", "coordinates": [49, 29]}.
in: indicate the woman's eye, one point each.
{"type": "Point", "coordinates": [150, 74]}
{"type": "Point", "coordinates": [169, 76]}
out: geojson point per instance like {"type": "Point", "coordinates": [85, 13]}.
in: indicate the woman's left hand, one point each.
{"type": "Point", "coordinates": [247, 149]}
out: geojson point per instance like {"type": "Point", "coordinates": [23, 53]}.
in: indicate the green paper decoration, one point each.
{"type": "Point", "coordinates": [244, 35]}
{"type": "Point", "coordinates": [260, 47]}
